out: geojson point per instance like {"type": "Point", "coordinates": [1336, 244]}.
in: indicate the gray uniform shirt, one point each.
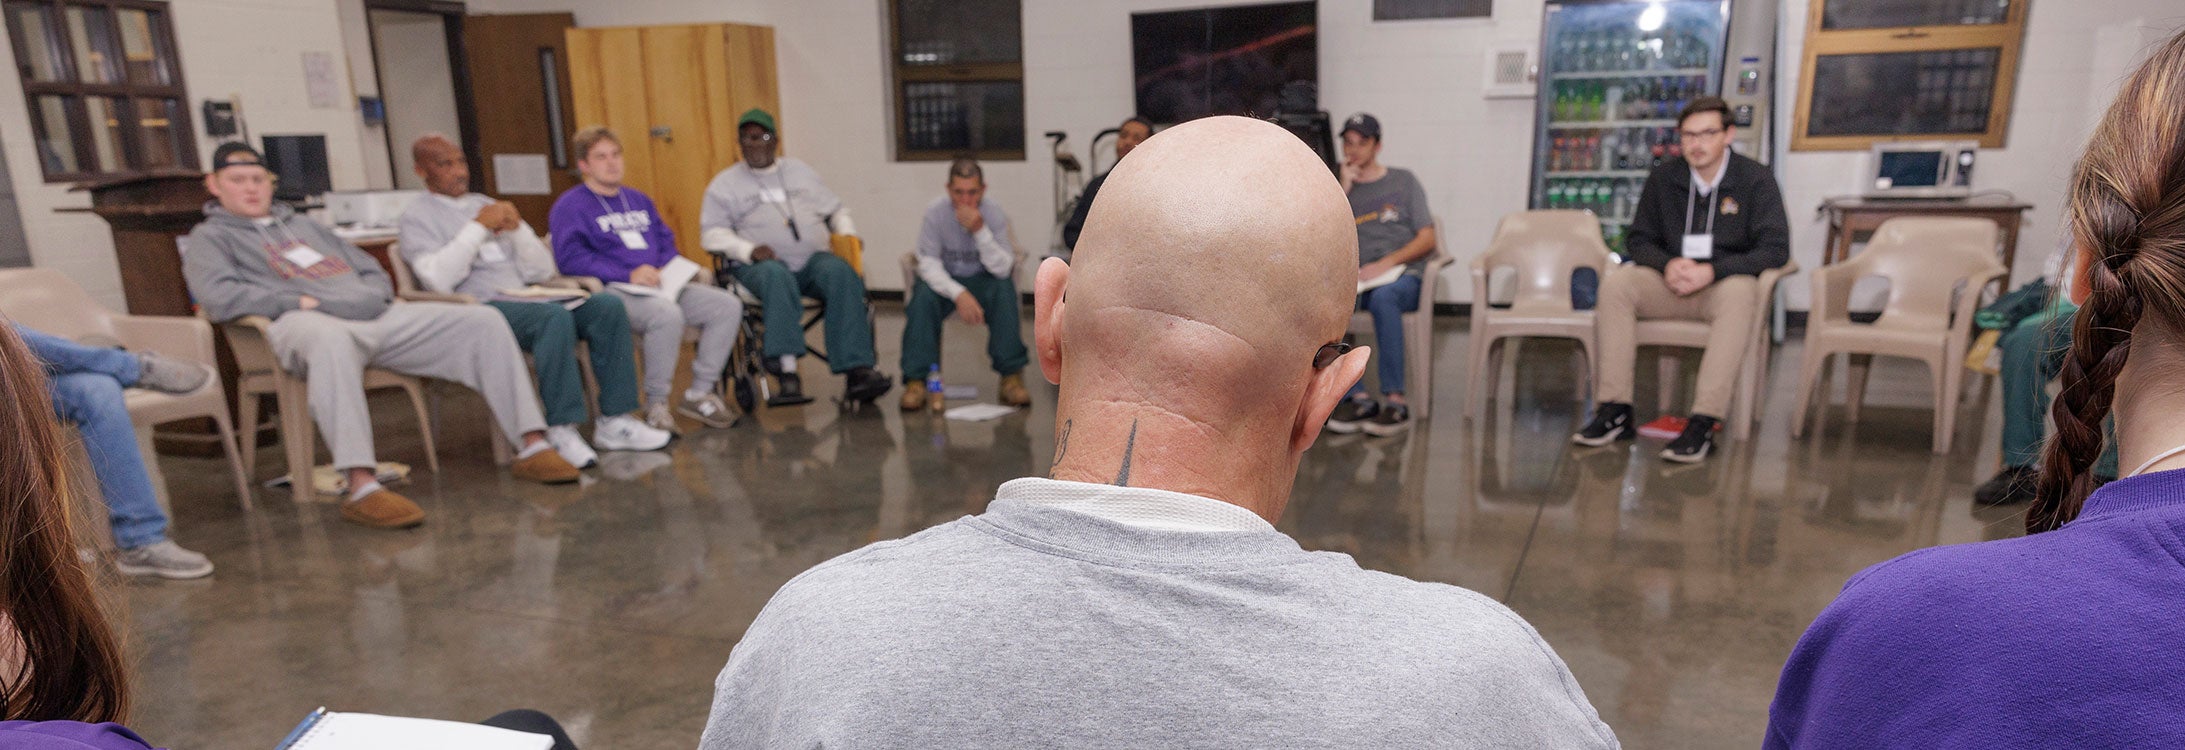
{"type": "Point", "coordinates": [760, 207]}
{"type": "Point", "coordinates": [449, 251]}
{"type": "Point", "coordinates": [1032, 625]}
{"type": "Point", "coordinates": [1390, 212]}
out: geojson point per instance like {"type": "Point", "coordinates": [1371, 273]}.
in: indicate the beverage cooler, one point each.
{"type": "Point", "coordinates": [1613, 77]}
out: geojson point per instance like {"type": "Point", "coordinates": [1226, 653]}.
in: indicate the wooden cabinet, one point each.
{"type": "Point", "coordinates": [672, 94]}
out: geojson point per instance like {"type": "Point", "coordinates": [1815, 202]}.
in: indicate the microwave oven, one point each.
{"type": "Point", "coordinates": [1922, 169]}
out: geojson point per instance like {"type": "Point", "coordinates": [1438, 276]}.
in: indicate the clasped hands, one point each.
{"type": "Point", "coordinates": [1685, 276]}
{"type": "Point", "coordinates": [499, 216]}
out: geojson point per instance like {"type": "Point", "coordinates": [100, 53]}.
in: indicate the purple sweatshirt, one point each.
{"type": "Point", "coordinates": [606, 236]}
{"type": "Point", "coordinates": [2070, 638]}
{"type": "Point", "coordinates": [68, 735]}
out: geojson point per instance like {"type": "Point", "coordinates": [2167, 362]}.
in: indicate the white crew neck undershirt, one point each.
{"type": "Point", "coordinates": [1141, 507]}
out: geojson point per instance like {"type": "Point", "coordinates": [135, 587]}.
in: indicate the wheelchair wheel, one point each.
{"type": "Point", "coordinates": [747, 393]}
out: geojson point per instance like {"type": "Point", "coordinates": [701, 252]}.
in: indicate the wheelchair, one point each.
{"type": "Point", "coordinates": [746, 378]}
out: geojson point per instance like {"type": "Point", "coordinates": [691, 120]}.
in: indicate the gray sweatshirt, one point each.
{"type": "Point", "coordinates": [1034, 625]}
{"type": "Point", "coordinates": [237, 267]}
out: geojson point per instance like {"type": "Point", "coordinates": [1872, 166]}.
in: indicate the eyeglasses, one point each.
{"type": "Point", "coordinates": [1328, 354]}
{"type": "Point", "coordinates": [1694, 135]}
{"type": "Point", "coordinates": [758, 138]}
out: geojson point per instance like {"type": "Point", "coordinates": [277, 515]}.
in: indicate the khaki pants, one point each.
{"type": "Point", "coordinates": [1632, 293]}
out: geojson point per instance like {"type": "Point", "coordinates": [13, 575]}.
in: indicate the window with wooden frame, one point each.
{"type": "Point", "coordinates": [959, 79]}
{"type": "Point", "coordinates": [1898, 70]}
{"type": "Point", "coordinates": [102, 86]}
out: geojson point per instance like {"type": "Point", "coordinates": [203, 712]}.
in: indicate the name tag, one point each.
{"type": "Point", "coordinates": [633, 239]}
{"type": "Point", "coordinates": [773, 195]}
{"type": "Point", "coordinates": [303, 256]}
{"type": "Point", "coordinates": [1699, 246]}
{"type": "Point", "coordinates": [492, 252]}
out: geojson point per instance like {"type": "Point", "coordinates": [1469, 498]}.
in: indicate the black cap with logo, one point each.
{"type": "Point", "coordinates": [1365, 125]}
{"type": "Point", "coordinates": [235, 154]}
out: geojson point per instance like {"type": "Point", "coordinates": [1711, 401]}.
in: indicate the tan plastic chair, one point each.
{"type": "Point", "coordinates": [1545, 247]}
{"type": "Point", "coordinates": [1418, 329]}
{"type": "Point", "coordinates": [261, 373]}
{"type": "Point", "coordinates": [48, 301]}
{"type": "Point", "coordinates": [1927, 261]}
{"type": "Point", "coordinates": [1752, 376]}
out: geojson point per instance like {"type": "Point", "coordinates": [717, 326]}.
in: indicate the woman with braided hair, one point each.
{"type": "Point", "coordinates": [2070, 636]}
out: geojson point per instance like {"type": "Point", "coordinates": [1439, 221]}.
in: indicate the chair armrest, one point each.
{"type": "Point", "coordinates": [1479, 287]}
{"type": "Point", "coordinates": [586, 283]}
{"type": "Point", "coordinates": [183, 338]}
{"type": "Point", "coordinates": [251, 338]}
{"type": "Point", "coordinates": [1968, 303]}
{"type": "Point", "coordinates": [450, 297]}
{"type": "Point", "coordinates": [1832, 291]}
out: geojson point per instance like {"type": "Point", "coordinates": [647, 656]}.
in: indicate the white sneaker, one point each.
{"type": "Point", "coordinates": [571, 446]}
{"type": "Point", "coordinates": [660, 416]}
{"type": "Point", "coordinates": [162, 558]}
{"type": "Point", "coordinates": [623, 432]}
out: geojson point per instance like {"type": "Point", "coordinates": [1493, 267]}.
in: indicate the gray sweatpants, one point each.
{"type": "Point", "coordinates": [716, 312]}
{"type": "Point", "coordinates": [467, 344]}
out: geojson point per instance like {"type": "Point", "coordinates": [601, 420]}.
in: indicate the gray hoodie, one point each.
{"type": "Point", "coordinates": [237, 266]}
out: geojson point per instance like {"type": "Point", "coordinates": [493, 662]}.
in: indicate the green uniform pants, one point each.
{"type": "Point", "coordinates": [549, 332]}
{"type": "Point", "coordinates": [925, 311]}
{"type": "Point", "coordinates": [827, 278]}
{"type": "Point", "coordinates": [2033, 353]}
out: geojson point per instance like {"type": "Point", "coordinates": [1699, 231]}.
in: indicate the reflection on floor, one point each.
{"type": "Point", "coordinates": [1674, 593]}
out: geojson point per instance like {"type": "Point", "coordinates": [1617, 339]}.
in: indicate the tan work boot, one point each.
{"type": "Point", "coordinates": [914, 397]}
{"type": "Point", "coordinates": [545, 467]}
{"type": "Point", "coordinates": [1013, 392]}
{"type": "Point", "coordinates": [383, 509]}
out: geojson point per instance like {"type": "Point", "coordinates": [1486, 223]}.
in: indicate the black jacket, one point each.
{"type": "Point", "coordinates": [1752, 234]}
{"type": "Point", "coordinates": [1076, 225]}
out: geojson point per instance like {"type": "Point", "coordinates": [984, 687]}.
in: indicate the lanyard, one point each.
{"type": "Point", "coordinates": [292, 241]}
{"type": "Point", "coordinates": [788, 210]}
{"type": "Point", "coordinates": [619, 195]}
{"type": "Point", "coordinates": [1714, 198]}
{"type": "Point", "coordinates": [2159, 457]}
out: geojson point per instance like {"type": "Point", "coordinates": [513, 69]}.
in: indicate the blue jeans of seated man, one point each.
{"type": "Point", "coordinates": [86, 387]}
{"type": "Point", "coordinates": [1388, 304]}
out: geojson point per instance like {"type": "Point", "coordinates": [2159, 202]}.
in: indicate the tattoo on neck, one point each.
{"type": "Point", "coordinates": [1062, 445]}
{"type": "Point", "coordinates": [1122, 477]}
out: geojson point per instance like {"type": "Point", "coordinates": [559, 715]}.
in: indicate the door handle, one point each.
{"type": "Point", "coordinates": [664, 133]}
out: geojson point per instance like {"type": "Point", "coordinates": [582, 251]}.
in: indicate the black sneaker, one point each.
{"type": "Point", "coordinates": [1611, 422]}
{"type": "Point", "coordinates": [864, 384]}
{"type": "Point", "coordinates": [791, 392]}
{"type": "Point", "coordinates": [2011, 486]}
{"type": "Point", "coordinates": [1697, 441]}
{"type": "Point", "coordinates": [1352, 414]}
{"type": "Point", "coordinates": [1394, 418]}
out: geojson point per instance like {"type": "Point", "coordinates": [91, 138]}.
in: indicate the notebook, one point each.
{"type": "Point", "coordinates": [673, 277]}
{"type": "Point", "coordinates": [327, 730]}
{"type": "Point", "coordinates": [1382, 280]}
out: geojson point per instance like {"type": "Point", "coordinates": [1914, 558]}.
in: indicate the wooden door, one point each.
{"type": "Point", "coordinates": [519, 66]}
{"type": "Point", "coordinates": [673, 93]}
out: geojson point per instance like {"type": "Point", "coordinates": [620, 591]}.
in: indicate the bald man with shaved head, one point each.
{"type": "Point", "coordinates": [1140, 595]}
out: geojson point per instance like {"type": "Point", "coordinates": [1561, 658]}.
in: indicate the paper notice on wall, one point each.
{"type": "Point", "coordinates": [521, 174]}
{"type": "Point", "coordinates": [319, 81]}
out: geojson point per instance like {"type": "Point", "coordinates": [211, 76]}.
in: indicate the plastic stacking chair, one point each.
{"type": "Point", "coordinates": [1752, 374]}
{"type": "Point", "coordinates": [48, 301]}
{"type": "Point", "coordinates": [261, 373]}
{"type": "Point", "coordinates": [1545, 247]}
{"type": "Point", "coordinates": [1927, 261]}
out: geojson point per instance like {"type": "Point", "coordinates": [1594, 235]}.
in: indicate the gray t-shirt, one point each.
{"type": "Point", "coordinates": [1037, 626]}
{"type": "Point", "coordinates": [761, 207]}
{"type": "Point", "coordinates": [1390, 212]}
{"type": "Point", "coordinates": [432, 221]}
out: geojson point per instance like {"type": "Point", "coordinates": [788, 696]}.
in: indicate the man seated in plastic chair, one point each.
{"type": "Point", "coordinates": [1395, 236]}
{"type": "Point", "coordinates": [86, 384]}
{"type": "Point", "coordinates": [965, 262]}
{"type": "Point", "coordinates": [2030, 355]}
{"type": "Point", "coordinates": [334, 315]}
{"type": "Point", "coordinates": [772, 217]}
{"type": "Point", "coordinates": [462, 242]}
{"type": "Point", "coordinates": [611, 231]}
{"type": "Point", "coordinates": [1707, 224]}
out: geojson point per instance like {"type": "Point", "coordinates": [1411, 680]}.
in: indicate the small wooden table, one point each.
{"type": "Point", "coordinates": [1851, 220]}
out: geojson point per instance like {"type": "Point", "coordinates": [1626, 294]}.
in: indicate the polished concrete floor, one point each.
{"type": "Point", "coordinates": [1673, 593]}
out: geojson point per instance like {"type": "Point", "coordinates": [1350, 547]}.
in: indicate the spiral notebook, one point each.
{"type": "Point", "coordinates": [327, 730]}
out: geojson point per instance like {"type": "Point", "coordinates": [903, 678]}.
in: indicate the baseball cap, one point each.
{"type": "Point", "coordinates": [1365, 124]}
{"type": "Point", "coordinates": [757, 116]}
{"type": "Point", "coordinates": [235, 153]}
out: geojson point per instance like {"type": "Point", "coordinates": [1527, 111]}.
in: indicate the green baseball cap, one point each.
{"type": "Point", "coordinates": [757, 116]}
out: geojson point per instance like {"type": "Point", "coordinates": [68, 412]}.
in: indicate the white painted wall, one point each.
{"type": "Point", "coordinates": [247, 48]}
{"type": "Point", "coordinates": [418, 83]}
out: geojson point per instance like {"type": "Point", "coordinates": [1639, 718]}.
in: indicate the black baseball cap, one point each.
{"type": "Point", "coordinates": [1365, 124]}
{"type": "Point", "coordinates": [235, 153]}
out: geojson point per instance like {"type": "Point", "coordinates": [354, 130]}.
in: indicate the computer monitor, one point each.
{"type": "Point", "coordinates": [300, 163]}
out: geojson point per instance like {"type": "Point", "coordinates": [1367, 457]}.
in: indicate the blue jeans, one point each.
{"type": "Point", "coordinates": [86, 388]}
{"type": "Point", "coordinates": [1388, 305]}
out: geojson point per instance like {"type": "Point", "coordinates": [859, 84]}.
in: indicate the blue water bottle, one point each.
{"type": "Point", "coordinates": [933, 387]}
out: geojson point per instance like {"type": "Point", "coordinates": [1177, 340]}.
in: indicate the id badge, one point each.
{"type": "Point", "coordinates": [303, 256]}
{"type": "Point", "coordinates": [1699, 246]}
{"type": "Point", "coordinates": [773, 195]}
{"type": "Point", "coordinates": [633, 239]}
{"type": "Point", "coordinates": [492, 252]}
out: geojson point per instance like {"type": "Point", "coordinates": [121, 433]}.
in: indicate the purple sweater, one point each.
{"type": "Point", "coordinates": [68, 735]}
{"type": "Point", "coordinates": [2070, 638]}
{"type": "Point", "coordinates": [587, 228]}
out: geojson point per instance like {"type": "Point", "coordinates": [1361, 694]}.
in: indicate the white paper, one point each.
{"type": "Point", "coordinates": [634, 240]}
{"type": "Point", "coordinates": [303, 256]}
{"type": "Point", "coordinates": [491, 251]}
{"type": "Point", "coordinates": [676, 275]}
{"type": "Point", "coordinates": [521, 174]}
{"type": "Point", "coordinates": [979, 412]}
{"type": "Point", "coordinates": [1382, 280]}
{"type": "Point", "coordinates": [347, 731]}
{"type": "Point", "coordinates": [318, 80]}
